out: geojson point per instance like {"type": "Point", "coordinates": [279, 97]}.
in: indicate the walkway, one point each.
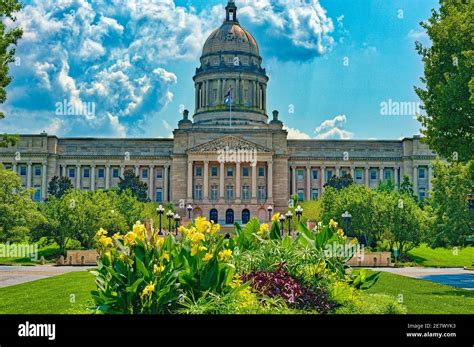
{"type": "Point", "coordinates": [12, 275]}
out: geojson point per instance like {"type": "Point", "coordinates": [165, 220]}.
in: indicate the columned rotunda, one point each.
{"type": "Point", "coordinates": [191, 168]}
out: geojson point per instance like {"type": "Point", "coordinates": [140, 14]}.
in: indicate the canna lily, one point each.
{"type": "Point", "coordinates": [149, 289]}
{"type": "Point", "coordinates": [276, 217]}
{"type": "Point", "coordinates": [207, 257]}
{"type": "Point", "coordinates": [332, 224]}
{"type": "Point", "coordinates": [225, 255]}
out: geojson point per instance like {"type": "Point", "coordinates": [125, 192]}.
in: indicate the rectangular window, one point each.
{"type": "Point", "coordinates": [159, 173]}
{"type": "Point", "coordinates": [422, 193]}
{"type": "Point", "coordinates": [314, 194]}
{"type": "Point", "coordinates": [300, 175]}
{"type": "Point", "coordinates": [214, 171]}
{"type": "Point", "coordinates": [214, 192]}
{"type": "Point", "coordinates": [198, 171]}
{"type": "Point", "coordinates": [37, 193]}
{"type": "Point", "coordinates": [358, 174]}
{"type": "Point", "coordinates": [373, 174]}
{"type": "Point", "coordinates": [300, 194]}
{"type": "Point", "coordinates": [230, 172]}
{"type": "Point", "coordinates": [115, 173]}
{"type": "Point", "coordinates": [262, 193]}
{"type": "Point", "coordinates": [159, 195]}
{"type": "Point", "coordinates": [37, 170]}
{"type": "Point", "coordinates": [421, 173]}
{"type": "Point", "coordinates": [329, 175]}
{"type": "Point", "coordinates": [344, 173]}
{"type": "Point", "coordinates": [315, 174]}
{"type": "Point", "coordinates": [72, 173]}
{"type": "Point", "coordinates": [229, 193]}
{"type": "Point", "coordinates": [245, 171]}
{"type": "Point", "coordinates": [388, 175]}
{"type": "Point", "coordinates": [261, 172]}
{"type": "Point", "coordinates": [145, 173]}
{"type": "Point", "coordinates": [86, 172]}
{"type": "Point", "coordinates": [245, 193]}
{"type": "Point", "coordinates": [101, 173]}
{"type": "Point", "coordinates": [22, 170]}
{"type": "Point", "coordinates": [198, 192]}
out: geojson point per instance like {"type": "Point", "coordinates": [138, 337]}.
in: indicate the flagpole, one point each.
{"type": "Point", "coordinates": [230, 120]}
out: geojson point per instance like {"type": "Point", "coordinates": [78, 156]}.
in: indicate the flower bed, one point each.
{"type": "Point", "coordinates": [255, 271]}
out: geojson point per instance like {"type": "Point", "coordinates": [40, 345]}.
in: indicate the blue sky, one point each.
{"type": "Point", "coordinates": [333, 62]}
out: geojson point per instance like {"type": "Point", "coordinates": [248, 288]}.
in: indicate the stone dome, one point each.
{"type": "Point", "coordinates": [231, 37]}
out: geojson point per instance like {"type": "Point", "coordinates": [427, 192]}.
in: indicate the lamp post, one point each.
{"type": "Point", "coordinates": [160, 210]}
{"type": "Point", "coordinates": [190, 209]}
{"type": "Point", "coordinates": [289, 217]}
{"type": "Point", "coordinates": [170, 215]}
{"type": "Point", "coordinates": [282, 222]}
{"type": "Point", "coordinates": [177, 219]}
{"type": "Point", "coordinates": [346, 217]}
{"type": "Point", "coordinates": [299, 212]}
{"type": "Point", "coordinates": [270, 210]}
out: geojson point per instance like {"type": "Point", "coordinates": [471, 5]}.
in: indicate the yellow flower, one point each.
{"type": "Point", "coordinates": [202, 225]}
{"type": "Point", "coordinates": [182, 229]}
{"type": "Point", "coordinates": [159, 240]}
{"type": "Point", "coordinates": [149, 289]}
{"type": "Point", "coordinates": [126, 259]}
{"type": "Point", "coordinates": [196, 249]}
{"type": "Point", "coordinates": [106, 241]}
{"type": "Point", "coordinates": [215, 228]}
{"type": "Point", "coordinates": [140, 230]}
{"type": "Point", "coordinates": [340, 232]}
{"type": "Point", "coordinates": [207, 257]}
{"type": "Point", "coordinates": [157, 269]}
{"type": "Point", "coordinates": [225, 255]}
{"type": "Point", "coordinates": [166, 256]}
{"type": "Point", "coordinates": [332, 224]}
{"type": "Point", "coordinates": [263, 231]}
{"type": "Point", "coordinates": [276, 217]}
{"type": "Point", "coordinates": [195, 236]}
{"type": "Point", "coordinates": [118, 236]}
{"type": "Point", "coordinates": [101, 233]}
{"type": "Point", "coordinates": [130, 239]}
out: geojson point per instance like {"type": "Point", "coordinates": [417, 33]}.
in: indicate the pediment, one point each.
{"type": "Point", "coordinates": [228, 142]}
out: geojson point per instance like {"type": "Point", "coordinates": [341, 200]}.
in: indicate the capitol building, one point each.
{"type": "Point", "coordinates": [231, 158]}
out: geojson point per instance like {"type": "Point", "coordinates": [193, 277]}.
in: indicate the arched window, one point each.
{"type": "Point", "coordinates": [245, 216]}
{"type": "Point", "coordinates": [229, 216]}
{"type": "Point", "coordinates": [214, 216]}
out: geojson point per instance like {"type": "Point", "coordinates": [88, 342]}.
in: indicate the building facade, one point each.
{"type": "Point", "coordinates": [231, 161]}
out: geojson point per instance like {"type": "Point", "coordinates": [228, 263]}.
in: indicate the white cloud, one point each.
{"type": "Point", "coordinates": [296, 134]}
{"type": "Point", "coordinates": [417, 34]}
{"type": "Point", "coordinates": [333, 129]}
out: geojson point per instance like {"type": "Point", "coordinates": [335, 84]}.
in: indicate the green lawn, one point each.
{"type": "Point", "coordinates": [442, 257]}
{"type": "Point", "coordinates": [48, 252]}
{"type": "Point", "coordinates": [54, 295]}
{"type": "Point", "coordinates": [424, 297]}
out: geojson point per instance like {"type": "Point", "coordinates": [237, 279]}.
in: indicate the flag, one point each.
{"type": "Point", "coordinates": [228, 96]}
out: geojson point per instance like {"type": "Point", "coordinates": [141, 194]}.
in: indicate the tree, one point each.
{"type": "Point", "coordinates": [18, 213]}
{"type": "Point", "coordinates": [8, 41]}
{"type": "Point", "coordinates": [448, 96]}
{"type": "Point", "coordinates": [59, 186]}
{"type": "Point", "coordinates": [132, 182]}
{"type": "Point", "coordinates": [407, 187]}
{"type": "Point", "coordinates": [386, 186]}
{"type": "Point", "coordinates": [453, 220]}
{"type": "Point", "coordinates": [340, 182]}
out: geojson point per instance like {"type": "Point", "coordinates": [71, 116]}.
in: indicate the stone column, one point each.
{"type": "Point", "coordinates": [381, 174]}
{"type": "Point", "coordinates": [237, 181]}
{"type": "Point", "coordinates": [206, 181]}
{"type": "Point", "coordinates": [151, 183]}
{"type": "Point", "coordinates": [430, 176]}
{"type": "Point", "coordinates": [122, 170]}
{"type": "Point", "coordinates": [15, 168]}
{"type": "Point", "coordinates": [293, 179]}
{"type": "Point", "coordinates": [395, 177]}
{"type": "Point", "coordinates": [323, 178]}
{"type": "Point", "coordinates": [237, 91]}
{"type": "Point", "coordinates": [44, 182]}
{"type": "Point", "coordinates": [29, 176]}
{"type": "Point", "coordinates": [415, 180]}
{"type": "Point", "coordinates": [366, 176]}
{"type": "Point", "coordinates": [190, 180]}
{"type": "Point", "coordinates": [223, 90]}
{"type": "Point", "coordinates": [137, 170]}
{"type": "Point", "coordinates": [196, 96]}
{"type": "Point", "coordinates": [338, 170]}
{"type": "Point", "coordinates": [353, 173]}
{"type": "Point", "coordinates": [166, 182]}
{"type": "Point", "coordinates": [270, 180]}
{"type": "Point", "coordinates": [220, 99]}
{"type": "Point", "coordinates": [254, 183]}
{"type": "Point", "coordinates": [308, 182]}
{"type": "Point", "coordinates": [92, 177]}
{"type": "Point", "coordinates": [107, 177]}
{"type": "Point", "coordinates": [78, 177]}
{"type": "Point", "coordinates": [221, 181]}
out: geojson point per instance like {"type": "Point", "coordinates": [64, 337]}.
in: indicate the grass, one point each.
{"type": "Point", "coordinates": [424, 297]}
{"type": "Point", "coordinates": [65, 294]}
{"type": "Point", "coordinates": [442, 257]}
{"type": "Point", "coordinates": [49, 252]}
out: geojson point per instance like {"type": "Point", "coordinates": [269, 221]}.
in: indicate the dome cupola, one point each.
{"type": "Point", "coordinates": [230, 64]}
